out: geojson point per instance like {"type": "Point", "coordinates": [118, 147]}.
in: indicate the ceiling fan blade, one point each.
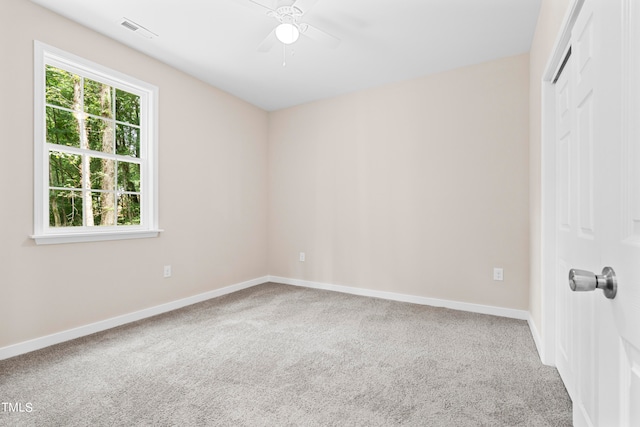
{"type": "Point", "coordinates": [319, 36]}
{"type": "Point", "coordinates": [261, 5]}
{"type": "Point", "coordinates": [304, 5]}
{"type": "Point", "coordinates": [268, 42]}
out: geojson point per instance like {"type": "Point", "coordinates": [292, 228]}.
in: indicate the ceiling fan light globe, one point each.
{"type": "Point", "coordinates": [287, 33]}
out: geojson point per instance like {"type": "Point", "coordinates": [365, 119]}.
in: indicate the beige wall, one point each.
{"type": "Point", "coordinates": [213, 193]}
{"type": "Point", "coordinates": [549, 21]}
{"type": "Point", "coordinates": [418, 188]}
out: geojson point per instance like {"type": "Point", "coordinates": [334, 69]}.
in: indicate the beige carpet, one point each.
{"type": "Point", "coordinates": [277, 355]}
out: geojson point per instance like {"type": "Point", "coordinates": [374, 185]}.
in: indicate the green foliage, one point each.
{"type": "Point", "coordinates": [129, 203]}
{"type": "Point", "coordinates": [65, 170]}
{"type": "Point", "coordinates": [103, 208]}
{"type": "Point", "coordinates": [97, 130]}
{"type": "Point", "coordinates": [129, 209]}
{"type": "Point", "coordinates": [101, 172]}
{"type": "Point", "coordinates": [60, 87]}
{"type": "Point", "coordinates": [98, 98]}
{"type": "Point", "coordinates": [80, 113]}
{"type": "Point", "coordinates": [128, 177]}
{"type": "Point", "coordinates": [127, 140]}
{"type": "Point", "coordinates": [62, 128]}
{"type": "Point", "coordinates": [65, 208]}
{"type": "Point", "coordinates": [127, 107]}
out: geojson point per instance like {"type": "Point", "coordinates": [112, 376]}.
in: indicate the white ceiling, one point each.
{"type": "Point", "coordinates": [382, 41]}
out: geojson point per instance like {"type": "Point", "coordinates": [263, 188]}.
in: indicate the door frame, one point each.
{"type": "Point", "coordinates": [548, 244]}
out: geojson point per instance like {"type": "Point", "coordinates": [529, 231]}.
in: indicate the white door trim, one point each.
{"type": "Point", "coordinates": [548, 255]}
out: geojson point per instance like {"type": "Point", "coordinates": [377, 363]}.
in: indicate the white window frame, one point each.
{"type": "Point", "coordinates": [43, 232]}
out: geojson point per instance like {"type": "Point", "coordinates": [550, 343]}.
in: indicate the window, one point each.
{"type": "Point", "coordinates": [95, 151]}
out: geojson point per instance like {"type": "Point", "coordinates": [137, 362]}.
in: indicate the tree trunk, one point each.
{"type": "Point", "coordinates": [87, 205]}
{"type": "Point", "coordinates": [108, 166]}
{"type": "Point", "coordinates": [56, 213]}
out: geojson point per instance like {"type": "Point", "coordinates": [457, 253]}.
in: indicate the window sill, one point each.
{"type": "Point", "coordinates": [54, 239]}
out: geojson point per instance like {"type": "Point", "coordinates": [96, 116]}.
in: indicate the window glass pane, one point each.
{"type": "Point", "coordinates": [128, 177]}
{"type": "Point", "coordinates": [65, 170]}
{"type": "Point", "coordinates": [104, 208]}
{"type": "Point", "coordinates": [61, 86]}
{"type": "Point", "coordinates": [127, 107]}
{"type": "Point", "coordinates": [128, 209]}
{"type": "Point", "coordinates": [65, 208]}
{"type": "Point", "coordinates": [98, 98]}
{"type": "Point", "coordinates": [127, 141]}
{"type": "Point", "coordinates": [100, 134]}
{"type": "Point", "coordinates": [103, 173]}
{"type": "Point", "coordinates": [92, 150]}
{"type": "Point", "coordinates": [62, 128]}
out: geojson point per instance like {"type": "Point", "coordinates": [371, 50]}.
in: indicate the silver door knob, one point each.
{"type": "Point", "coordinates": [582, 281]}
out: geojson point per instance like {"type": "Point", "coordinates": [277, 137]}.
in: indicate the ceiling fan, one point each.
{"type": "Point", "coordinates": [289, 14]}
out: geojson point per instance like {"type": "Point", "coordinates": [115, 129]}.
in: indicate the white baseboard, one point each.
{"type": "Point", "coordinates": [48, 340]}
{"type": "Point", "coordinates": [455, 305]}
{"type": "Point", "coordinates": [537, 339]}
{"type": "Point", "coordinates": [59, 337]}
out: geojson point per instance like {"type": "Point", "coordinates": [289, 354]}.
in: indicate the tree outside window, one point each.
{"type": "Point", "coordinates": [96, 144]}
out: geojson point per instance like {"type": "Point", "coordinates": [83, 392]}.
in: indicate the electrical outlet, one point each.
{"type": "Point", "coordinates": [302, 257]}
{"type": "Point", "coordinates": [167, 271]}
{"type": "Point", "coordinates": [498, 274]}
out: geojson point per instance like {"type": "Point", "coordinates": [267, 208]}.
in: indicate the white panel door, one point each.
{"type": "Point", "coordinates": [598, 213]}
{"type": "Point", "coordinates": [565, 303]}
{"type": "Point", "coordinates": [619, 188]}
{"type": "Point", "coordinates": [577, 234]}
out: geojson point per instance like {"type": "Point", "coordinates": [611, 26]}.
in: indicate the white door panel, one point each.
{"type": "Point", "coordinates": [622, 246]}
{"type": "Point", "coordinates": [597, 187]}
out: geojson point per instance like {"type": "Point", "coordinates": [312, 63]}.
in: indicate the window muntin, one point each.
{"type": "Point", "coordinates": [95, 151]}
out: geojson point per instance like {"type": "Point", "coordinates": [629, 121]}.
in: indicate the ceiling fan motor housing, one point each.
{"type": "Point", "coordinates": [286, 14]}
